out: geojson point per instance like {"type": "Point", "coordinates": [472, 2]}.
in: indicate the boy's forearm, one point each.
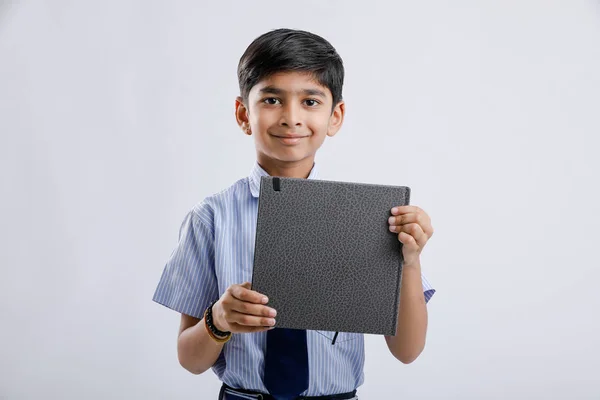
{"type": "Point", "coordinates": [412, 317]}
{"type": "Point", "coordinates": [196, 350]}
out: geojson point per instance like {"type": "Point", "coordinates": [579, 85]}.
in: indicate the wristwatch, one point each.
{"type": "Point", "coordinates": [217, 335]}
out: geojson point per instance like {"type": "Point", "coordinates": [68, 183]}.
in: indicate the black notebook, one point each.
{"type": "Point", "coordinates": [324, 254]}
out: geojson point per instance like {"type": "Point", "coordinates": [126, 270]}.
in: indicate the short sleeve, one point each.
{"type": "Point", "coordinates": [428, 290]}
{"type": "Point", "coordinates": [188, 283]}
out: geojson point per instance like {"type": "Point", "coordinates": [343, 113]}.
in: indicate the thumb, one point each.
{"type": "Point", "coordinates": [246, 285]}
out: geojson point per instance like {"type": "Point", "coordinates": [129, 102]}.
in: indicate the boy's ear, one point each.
{"type": "Point", "coordinates": [336, 119]}
{"type": "Point", "coordinates": [241, 115]}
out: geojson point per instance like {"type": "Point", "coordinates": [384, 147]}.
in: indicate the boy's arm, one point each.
{"type": "Point", "coordinates": [409, 341]}
{"type": "Point", "coordinates": [196, 350]}
{"type": "Point", "coordinates": [413, 226]}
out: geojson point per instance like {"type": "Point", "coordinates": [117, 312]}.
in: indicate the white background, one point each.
{"type": "Point", "coordinates": [116, 117]}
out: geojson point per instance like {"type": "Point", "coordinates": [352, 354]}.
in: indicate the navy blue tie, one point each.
{"type": "Point", "coordinates": [286, 363]}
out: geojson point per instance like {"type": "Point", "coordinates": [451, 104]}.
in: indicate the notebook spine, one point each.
{"type": "Point", "coordinates": [399, 278]}
{"type": "Point", "coordinates": [260, 188]}
{"type": "Point", "coordinates": [397, 300]}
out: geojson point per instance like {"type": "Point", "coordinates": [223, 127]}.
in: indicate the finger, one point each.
{"type": "Point", "coordinates": [419, 218]}
{"type": "Point", "coordinates": [403, 219]}
{"type": "Point", "coordinates": [408, 241]}
{"type": "Point", "coordinates": [243, 293]}
{"type": "Point", "coordinates": [415, 232]}
{"type": "Point", "coordinates": [249, 320]}
{"type": "Point", "coordinates": [404, 209]}
{"type": "Point", "coordinates": [252, 309]}
{"type": "Point", "coordinates": [236, 328]}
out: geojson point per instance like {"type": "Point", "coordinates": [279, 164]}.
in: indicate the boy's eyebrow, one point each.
{"type": "Point", "coordinates": [308, 92]}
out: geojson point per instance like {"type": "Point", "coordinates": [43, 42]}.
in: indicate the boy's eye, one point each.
{"type": "Point", "coordinates": [270, 100]}
{"type": "Point", "coordinates": [311, 102]}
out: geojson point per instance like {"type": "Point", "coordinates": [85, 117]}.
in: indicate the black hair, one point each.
{"type": "Point", "coordinates": [284, 50]}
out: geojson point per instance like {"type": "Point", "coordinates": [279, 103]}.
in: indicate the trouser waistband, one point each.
{"type": "Point", "coordinates": [229, 393]}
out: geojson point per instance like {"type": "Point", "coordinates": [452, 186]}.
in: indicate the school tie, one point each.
{"type": "Point", "coordinates": [286, 363]}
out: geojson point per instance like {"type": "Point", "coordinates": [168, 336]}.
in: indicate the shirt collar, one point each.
{"type": "Point", "coordinates": [258, 172]}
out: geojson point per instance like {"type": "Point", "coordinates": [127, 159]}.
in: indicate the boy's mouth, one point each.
{"type": "Point", "coordinates": [290, 139]}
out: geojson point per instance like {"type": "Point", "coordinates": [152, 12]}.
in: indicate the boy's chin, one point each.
{"type": "Point", "coordinates": [290, 157]}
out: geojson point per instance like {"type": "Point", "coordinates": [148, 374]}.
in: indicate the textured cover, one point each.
{"type": "Point", "coordinates": [324, 254]}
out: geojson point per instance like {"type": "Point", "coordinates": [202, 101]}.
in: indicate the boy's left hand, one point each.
{"type": "Point", "coordinates": [414, 229]}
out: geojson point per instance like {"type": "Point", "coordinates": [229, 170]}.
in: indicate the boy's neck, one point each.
{"type": "Point", "coordinates": [294, 169]}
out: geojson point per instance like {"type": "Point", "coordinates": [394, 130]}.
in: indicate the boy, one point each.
{"type": "Point", "coordinates": [290, 100]}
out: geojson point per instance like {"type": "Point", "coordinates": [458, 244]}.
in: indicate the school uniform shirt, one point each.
{"type": "Point", "coordinates": [216, 250]}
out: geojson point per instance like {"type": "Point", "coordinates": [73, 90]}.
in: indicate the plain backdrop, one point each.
{"type": "Point", "coordinates": [116, 117]}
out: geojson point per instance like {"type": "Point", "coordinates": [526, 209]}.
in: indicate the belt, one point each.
{"type": "Point", "coordinates": [229, 393]}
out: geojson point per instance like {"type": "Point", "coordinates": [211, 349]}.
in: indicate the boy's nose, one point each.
{"type": "Point", "coordinates": [290, 116]}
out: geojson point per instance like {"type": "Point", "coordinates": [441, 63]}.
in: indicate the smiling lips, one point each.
{"type": "Point", "coordinates": [290, 139]}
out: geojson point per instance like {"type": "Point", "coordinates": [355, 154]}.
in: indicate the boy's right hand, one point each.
{"type": "Point", "coordinates": [241, 310]}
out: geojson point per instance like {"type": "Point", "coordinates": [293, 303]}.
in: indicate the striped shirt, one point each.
{"type": "Point", "coordinates": [216, 250]}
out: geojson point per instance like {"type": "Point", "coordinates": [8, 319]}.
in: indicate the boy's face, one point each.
{"type": "Point", "coordinates": [289, 114]}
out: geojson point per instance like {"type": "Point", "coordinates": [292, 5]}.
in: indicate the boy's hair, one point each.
{"type": "Point", "coordinates": [285, 50]}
